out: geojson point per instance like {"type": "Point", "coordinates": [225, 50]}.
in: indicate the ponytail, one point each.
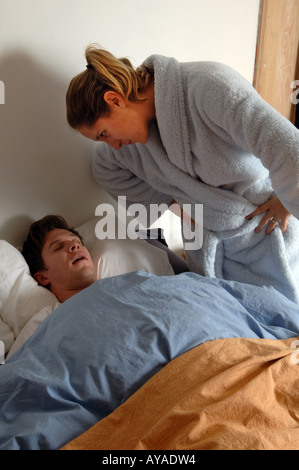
{"type": "Point", "coordinates": [85, 96]}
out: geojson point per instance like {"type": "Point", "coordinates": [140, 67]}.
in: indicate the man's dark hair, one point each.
{"type": "Point", "coordinates": [34, 243]}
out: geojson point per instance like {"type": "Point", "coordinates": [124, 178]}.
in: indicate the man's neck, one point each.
{"type": "Point", "coordinates": [62, 295]}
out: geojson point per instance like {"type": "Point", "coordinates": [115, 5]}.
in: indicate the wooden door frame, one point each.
{"type": "Point", "coordinates": [277, 57]}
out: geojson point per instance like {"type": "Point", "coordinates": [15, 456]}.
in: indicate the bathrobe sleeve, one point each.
{"type": "Point", "coordinates": [233, 108]}
{"type": "Point", "coordinates": [118, 180]}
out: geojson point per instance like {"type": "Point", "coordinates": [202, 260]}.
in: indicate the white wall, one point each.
{"type": "Point", "coordinates": [45, 166]}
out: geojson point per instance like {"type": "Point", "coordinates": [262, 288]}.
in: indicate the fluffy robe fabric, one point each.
{"type": "Point", "coordinates": [215, 142]}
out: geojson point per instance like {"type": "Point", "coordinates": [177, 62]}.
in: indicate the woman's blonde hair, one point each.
{"type": "Point", "coordinates": [85, 96]}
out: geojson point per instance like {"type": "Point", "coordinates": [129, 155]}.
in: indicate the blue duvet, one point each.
{"type": "Point", "coordinates": [101, 345]}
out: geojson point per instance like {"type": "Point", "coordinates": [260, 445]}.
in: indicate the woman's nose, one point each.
{"type": "Point", "coordinates": [116, 144]}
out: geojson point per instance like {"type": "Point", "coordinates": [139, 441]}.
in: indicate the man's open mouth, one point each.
{"type": "Point", "coordinates": [79, 258]}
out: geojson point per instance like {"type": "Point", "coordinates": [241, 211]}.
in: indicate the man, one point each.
{"type": "Point", "coordinates": [57, 257]}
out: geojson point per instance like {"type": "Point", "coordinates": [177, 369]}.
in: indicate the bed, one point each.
{"type": "Point", "coordinates": [148, 358]}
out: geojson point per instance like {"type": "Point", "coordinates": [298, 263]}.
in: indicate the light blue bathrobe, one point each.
{"type": "Point", "coordinates": [216, 142]}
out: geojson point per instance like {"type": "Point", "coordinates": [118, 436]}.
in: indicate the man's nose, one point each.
{"type": "Point", "coordinates": [74, 246]}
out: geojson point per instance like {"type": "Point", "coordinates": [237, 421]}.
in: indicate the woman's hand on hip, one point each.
{"type": "Point", "coordinates": [276, 214]}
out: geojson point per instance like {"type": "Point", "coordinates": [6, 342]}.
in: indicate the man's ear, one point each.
{"type": "Point", "coordinates": [113, 98]}
{"type": "Point", "coordinates": [41, 278]}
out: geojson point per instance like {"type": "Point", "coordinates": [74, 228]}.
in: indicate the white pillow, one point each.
{"type": "Point", "coordinates": [20, 295]}
{"type": "Point", "coordinates": [30, 327]}
{"type": "Point", "coordinates": [115, 257]}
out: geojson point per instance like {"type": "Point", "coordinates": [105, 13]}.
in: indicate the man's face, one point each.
{"type": "Point", "coordinates": [68, 264]}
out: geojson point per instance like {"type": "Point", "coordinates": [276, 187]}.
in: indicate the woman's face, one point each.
{"type": "Point", "coordinates": [126, 124]}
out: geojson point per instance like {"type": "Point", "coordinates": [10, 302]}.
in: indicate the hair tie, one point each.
{"type": "Point", "coordinates": [90, 66]}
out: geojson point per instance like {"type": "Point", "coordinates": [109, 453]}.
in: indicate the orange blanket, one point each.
{"type": "Point", "coordinates": [224, 394]}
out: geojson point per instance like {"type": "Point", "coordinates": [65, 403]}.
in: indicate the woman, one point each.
{"type": "Point", "coordinates": [197, 133]}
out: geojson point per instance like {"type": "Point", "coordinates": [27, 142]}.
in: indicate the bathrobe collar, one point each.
{"type": "Point", "coordinates": [170, 110]}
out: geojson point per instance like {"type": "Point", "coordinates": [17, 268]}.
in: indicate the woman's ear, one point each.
{"type": "Point", "coordinates": [112, 98]}
{"type": "Point", "coordinates": [41, 278]}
